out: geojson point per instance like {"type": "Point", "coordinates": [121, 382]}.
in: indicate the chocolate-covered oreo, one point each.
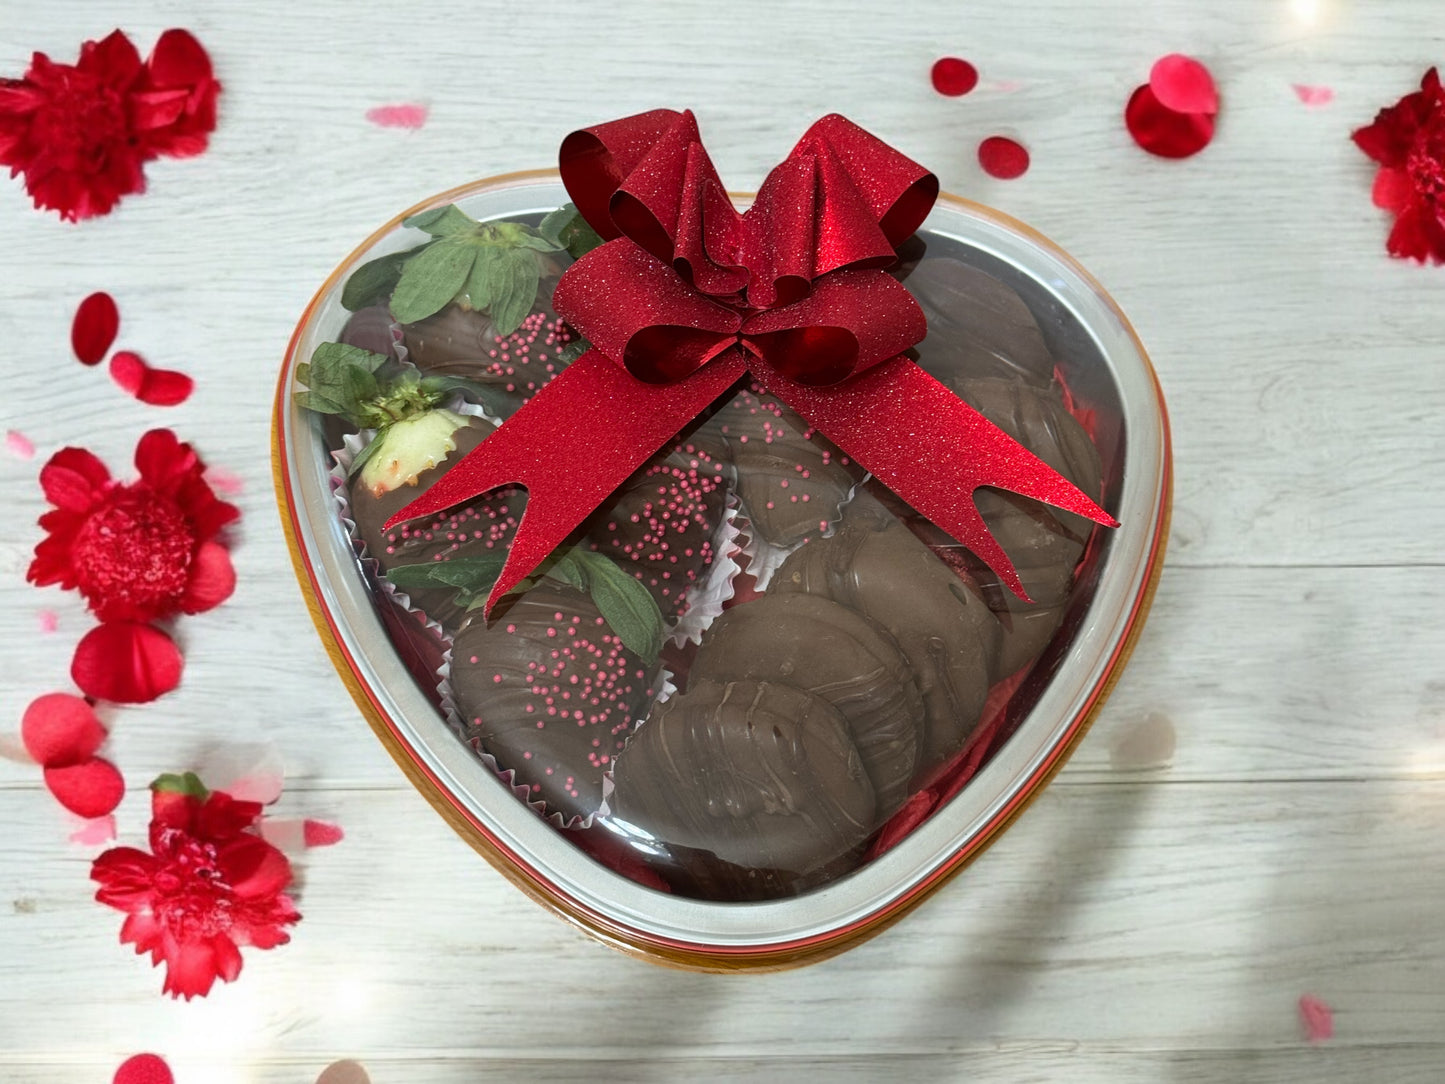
{"type": "Point", "coordinates": [790, 480]}
{"type": "Point", "coordinates": [551, 693]}
{"type": "Point", "coordinates": [754, 789]}
{"type": "Point", "coordinates": [977, 326]}
{"type": "Point", "coordinates": [1044, 543]}
{"type": "Point", "coordinates": [875, 565]}
{"type": "Point", "coordinates": [825, 648]}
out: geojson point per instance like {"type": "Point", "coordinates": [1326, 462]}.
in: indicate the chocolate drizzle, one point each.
{"type": "Point", "coordinates": [754, 789]}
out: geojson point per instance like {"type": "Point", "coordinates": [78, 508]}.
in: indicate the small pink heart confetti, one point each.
{"type": "Point", "coordinates": [1317, 1017]}
{"type": "Point", "coordinates": [1314, 96]}
{"type": "Point", "coordinates": [19, 445]}
{"type": "Point", "coordinates": [402, 115]}
{"type": "Point", "coordinates": [224, 481]}
{"type": "Point", "coordinates": [48, 620]}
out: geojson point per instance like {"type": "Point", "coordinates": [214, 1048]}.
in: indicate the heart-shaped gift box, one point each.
{"type": "Point", "coordinates": [999, 298]}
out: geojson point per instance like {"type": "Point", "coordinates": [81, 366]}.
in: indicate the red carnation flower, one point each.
{"type": "Point", "coordinates": [141, 551]}
{"type": "Point", "coordinates": [1408, 140]}
{"type": "Point", "coordinates": [210, 885]}
{"type": "Point", "coordinates": [81, 132]}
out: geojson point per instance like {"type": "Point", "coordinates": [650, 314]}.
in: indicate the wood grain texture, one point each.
{"type": "Point", "coordinates": [1137, 924]}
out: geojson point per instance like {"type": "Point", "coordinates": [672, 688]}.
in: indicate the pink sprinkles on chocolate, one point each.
{"type": "Point", "coordinates": [527, 358]}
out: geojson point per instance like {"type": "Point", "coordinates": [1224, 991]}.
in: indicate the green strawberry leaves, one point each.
{"type": "Point", "coordinates": [489, 266]}
{"type": "Point", "coordinates": [622, 601]}
{"type": "Point", "coordinates": [341, 380]}
{"type": "Point", "coordinates": [566, 228]}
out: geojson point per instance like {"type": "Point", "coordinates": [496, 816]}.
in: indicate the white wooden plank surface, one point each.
{"type": "Point", "coordinates": [1150, 925]}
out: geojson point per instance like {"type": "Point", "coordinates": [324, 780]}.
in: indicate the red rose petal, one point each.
{"type": "Point", "coordinates": [398, 116]}
{"type": "Point", "coordinates": [156, 387]}
{"type": "Point", "coordinates": [1393, 190]}
{"type": "Point", "coordinates": [92, 788]}
{"type": "Point", "coordinates": [954, 76]}
{"type": "Point", "coordinates": [212, 579]}
{"type": "Point", "coordinates": [94, 328]}
{"type": "Point", "coordinates": [1162, 131]}
{"type": "Point", "coordinates": [321, 834]}
{"type": "Point", "coordinates": [144, 1069]}
{"type": "Point", "coordinates": [178, 60]}
{"type": "Point", "coordinates": [1003, 158]}
{"type": "Point", "coordinates": [126, 662]}
{"type": "Point", "coordinates": [60, 729]}
{"type": "Point", "coordinates": [1183, 84]}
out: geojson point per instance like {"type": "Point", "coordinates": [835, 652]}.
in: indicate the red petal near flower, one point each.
{"type": "Point", "coordinates": [1392, 190]}
{"type": "Point", "coordinates": [144, 1069]}
{"type": "Point", "coordinates": [94, 328]}
{"type": "Point", "coordinates": [178, 60]}
{"type": "Point", "coordinates": [91, 788]}
{"type": "Point", "coordinates": [126, 662]}
{"type": "Point", "coordinates": [156, 387]}
{"type": "Point", "coordinates": [212, 579]}
{"type": "Point", "coordinates": [954, 76]}
{"type": "Point", "coordinates": [60, 729]}
{"type": "Point", "coordinates": [1183, 84]}
{"type": "Point", "coordinates": [72, 478]}
{"type": "Point", "coordinates": [124, 875]}
{"type": "Point", "coordinates": [253, 868]}
{"type": "Point", "coordinates": [321, 834]}
{"type": "Point", "coordinates": [1417, 235]}
{"type": "Point", "coordinates": [191, 970]}
{"type": "Point", "coordinates": [1162, 131]}
{"type": "Point", "coordinates": [1003, 158]}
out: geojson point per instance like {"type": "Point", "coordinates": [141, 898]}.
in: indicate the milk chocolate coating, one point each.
{"type": "Point", "coordinates": [370, 329]}
{"type": "Point", "coordinates": [818, 645]}
{"type": "Point", "coordinates": [754, 788]}
{"type": "Point", "coordinates": [1044, 543]}
{"type": "Point", "coordinates": [463, 342]}
{"type": "Point", "coordinates": [549, 691]}
{"type": "Point", "coordinates": [875, 565]}
{"type": "Point", "coordinates": [790, 480]}
{"type": "Point", "coordinates": [660, 524]}
{"type": "Point", "coordinates": [482, 525]}
{"type": "Point", "coordinates": [977, 326]}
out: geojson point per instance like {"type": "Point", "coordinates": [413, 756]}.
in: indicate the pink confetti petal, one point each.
{"type": "Point", "coordinates": [226, 482]}
{"type": "Point", "coordinates": [1183, 84]}
{"type": "Point", "coordinates": [284, 833]}
{"type": "Point", "coordinates": [1314, 96]}
{"type": "Point", "coordinates": [321, 833]}
{"type": "Point", "coordinates": [248, 772]}
{"type": "Point", "coordinates": [1003, 158]}
{"type": "Point", "coordinates": [344, 1072]}
{"type": "Point", "coordinates": [144, 1069]}
{"type": "Point", "coordinates": [402, 115]}
{"type": "Point", "coordinates": [95, 831]}
{"type": "Point", "coordinates": [47, 620]}
{"type": "Point", "coordinates": [155, 387]}
{"type": "Point", "coordinates": [19, 445]}
{"type": "Point", "coordinates": [1317, 1017]}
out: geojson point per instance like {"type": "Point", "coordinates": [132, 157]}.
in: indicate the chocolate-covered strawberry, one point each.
{"type": "Point", "coordinates": [790, 479]}
{"type": "Point", "coordinates": [661, 523]}
{"type": "Point", "coordinates": [512, 367]}
{"type": "Point", "coordinates": [550, 690]}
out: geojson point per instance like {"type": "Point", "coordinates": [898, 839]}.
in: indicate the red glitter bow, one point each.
{"type": "Point", "coordinates": [688, 294]}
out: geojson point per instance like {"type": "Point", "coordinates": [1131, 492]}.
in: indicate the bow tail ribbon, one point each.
{"type": "Point", "coordinates": [595, 424]}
